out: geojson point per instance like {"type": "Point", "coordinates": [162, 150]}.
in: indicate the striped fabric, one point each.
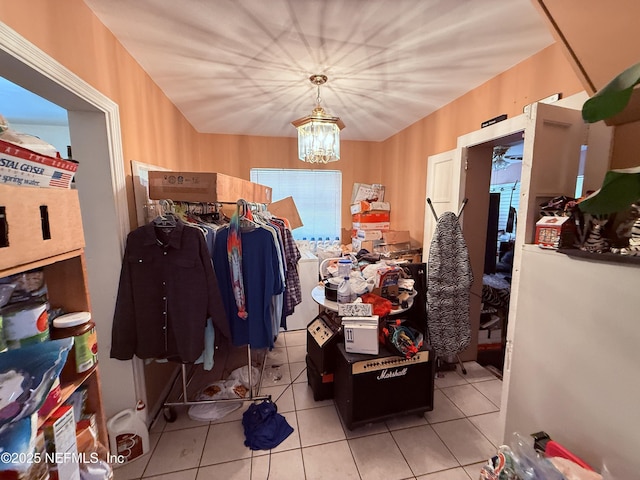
{"type": "Point", "coordinates": [449, 279]}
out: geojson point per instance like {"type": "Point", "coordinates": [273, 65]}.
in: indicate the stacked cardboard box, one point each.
{"type": "Point", "coordinates": [370, 216]}
{"type": "Point", "coordinates": [371, 222]}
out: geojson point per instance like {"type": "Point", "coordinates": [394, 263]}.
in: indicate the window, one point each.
{"type": "Point", "coordinates": [316, 193]}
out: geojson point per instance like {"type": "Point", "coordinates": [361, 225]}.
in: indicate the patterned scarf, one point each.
{"type": "Point", "coordinates": [234, 254]}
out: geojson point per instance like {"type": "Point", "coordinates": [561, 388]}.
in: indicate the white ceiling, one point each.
{"type": "Point", "coordinates": [242, 66]}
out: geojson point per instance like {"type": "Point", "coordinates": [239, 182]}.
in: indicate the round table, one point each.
{"type": "Point", "coordinates": [318, 296]}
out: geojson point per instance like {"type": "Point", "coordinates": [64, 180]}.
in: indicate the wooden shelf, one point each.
{"type": "Point", "coordinates": [66, 390]}
{"type": "Point", "coordinates": [40, 263]}
{"type": "Point", "coordinates": [44, 230]}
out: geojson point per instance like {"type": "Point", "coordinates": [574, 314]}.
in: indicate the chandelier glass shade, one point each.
{"type": "Point", "coordinates": [318, 133]}
{"type": "Point", "coordinates": [498, 162]}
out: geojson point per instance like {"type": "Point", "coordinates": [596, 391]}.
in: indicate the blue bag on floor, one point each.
{"type": "Point", "coordinates": [264, 427]}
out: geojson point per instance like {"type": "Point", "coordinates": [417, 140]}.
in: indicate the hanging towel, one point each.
{"type": "Point", "coordinates": [449, 279]}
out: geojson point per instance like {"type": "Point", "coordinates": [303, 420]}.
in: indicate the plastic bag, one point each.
{"type": "Point", "coordinates": [242, 375]}
{"type": "Point", "coordinates": [530, 465]}
{"type": "Point", "coordinates": [221, 390]}
{"type": "Point", "coordinates": [381, 306]}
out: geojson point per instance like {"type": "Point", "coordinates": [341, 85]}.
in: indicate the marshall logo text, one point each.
{"type": "Point", "coordinates": [391, 374]}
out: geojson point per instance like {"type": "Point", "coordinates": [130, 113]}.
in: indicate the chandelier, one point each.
{"type": "Point", "coordinates": [498, 162]}
{"type": "Point", "coordinates": [318, 133]}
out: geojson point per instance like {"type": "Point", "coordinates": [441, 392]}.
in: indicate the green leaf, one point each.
{"type": "Point", "coordinates": [613, 97]}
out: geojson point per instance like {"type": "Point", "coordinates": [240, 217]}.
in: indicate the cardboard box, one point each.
{"type": "Point", "coordinates": [396, 236]}
{"type": "Point", "coordinates": [23, 167]}
{"type": "Point", "coordinates": [554, 232]}
{"type": "Point", "coordinates": [364, 206]}
{"type": "Point", "coordinates": [367, 192]}
{"type": "Point", "coordinates": [393, 247]}
{"type": "Point", "coordinates": [60, 439]}
{"type": "Point", "coordinates": [369, 234]}
{"type": "Point", "coordinates": [205, 187]}
{"type": "Point", "coordinates": [361, 334]}
{"type": "Point", "coordinates": [30, 238]}
{"type": "Point", "coordinates": [368, 245]}
{"type": "Point", "coordinates": [383, 226]}
{"type": "Point", "coordinates": [286, 208]}
{"type": "Point", "coordinates": [374, 216]}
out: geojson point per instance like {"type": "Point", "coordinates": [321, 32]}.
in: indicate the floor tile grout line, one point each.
{"type": "Point", "coordinates": [497, 406]}
{"type": "Point", "coordinates": [400, 450]}
{"type": "Point", "coordinates": [458, 407]}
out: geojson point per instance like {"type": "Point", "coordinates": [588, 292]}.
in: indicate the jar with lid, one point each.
{"type": "Point", "coordinates": [83, 357]}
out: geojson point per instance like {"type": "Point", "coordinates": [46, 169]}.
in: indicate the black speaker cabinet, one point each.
{"type": "Point", "coordinates": [321, 383]}
{"type": "Point", "coordinates": [369, 388]}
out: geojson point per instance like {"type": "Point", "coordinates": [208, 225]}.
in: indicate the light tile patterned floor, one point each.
{"type": "Point", "coordinates": [449, 443]}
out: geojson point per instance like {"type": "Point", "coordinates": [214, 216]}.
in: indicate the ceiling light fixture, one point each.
{"type": "Point", "coordinates": [498, 162]}
{"type": "Point", "coordinates": [318, 133]}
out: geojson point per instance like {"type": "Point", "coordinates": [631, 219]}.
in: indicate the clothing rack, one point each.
{"type": "Point", "coordinates": [436, 217]}
{"type": "Point", "coordinates": [183, 399]}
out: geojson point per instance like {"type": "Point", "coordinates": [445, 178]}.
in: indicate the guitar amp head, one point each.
{"type": "Point", "coordinates": [323, 334]}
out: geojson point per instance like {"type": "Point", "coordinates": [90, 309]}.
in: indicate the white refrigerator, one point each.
{"type": "Point", "coordinates": [308, 308]}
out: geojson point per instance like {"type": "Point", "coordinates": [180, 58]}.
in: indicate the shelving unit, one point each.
{"type": "Point", "coordinates": [44, 230]}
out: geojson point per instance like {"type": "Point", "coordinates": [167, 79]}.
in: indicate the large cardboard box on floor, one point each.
{"type": "Point", "coordinates": [205, 187]}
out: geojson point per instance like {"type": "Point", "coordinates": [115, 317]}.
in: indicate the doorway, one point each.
{"type": "Point", "coordinates": [504, 200]}
{"type": "Point", "coordinates": [94, 127]}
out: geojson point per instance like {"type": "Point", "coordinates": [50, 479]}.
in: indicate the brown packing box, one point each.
{"type": "Point", "coordinates": [367, 192]}
{"type": "Point", "coordinates": [28, 236]}
{"type": "Point", "coordinates": [205, 187]}
{"type": "Point", "coordinates": [286, 208]}
{"type": "Point", "coordinates": [396, 236]}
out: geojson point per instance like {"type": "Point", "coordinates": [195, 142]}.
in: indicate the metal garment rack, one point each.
{"type": "Point", "coordinates": [435, 215]}
{"type": "Point", "coordinates": [182, 400]}
{"type": "Point", "coordinates": [169, 412]}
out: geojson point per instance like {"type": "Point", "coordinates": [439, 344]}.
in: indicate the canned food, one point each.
{"type": "Point", "coordinates": [25, 324]}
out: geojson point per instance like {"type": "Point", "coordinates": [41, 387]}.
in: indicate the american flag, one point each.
{"type": "Point", "coordinates": [59, 179]}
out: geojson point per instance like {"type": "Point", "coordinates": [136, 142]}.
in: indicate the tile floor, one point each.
{"type": "Point", "coordinates": [449, 443]}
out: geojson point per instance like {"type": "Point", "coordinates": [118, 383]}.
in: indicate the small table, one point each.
{"type": "Point", "coordinates": [318, 295]}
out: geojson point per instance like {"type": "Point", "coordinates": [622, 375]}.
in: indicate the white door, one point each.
{"type": "Point", "coordinates": [445, 190]}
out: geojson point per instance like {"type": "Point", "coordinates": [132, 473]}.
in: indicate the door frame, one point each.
{"type": "Point", "coordinates": [94, 123]}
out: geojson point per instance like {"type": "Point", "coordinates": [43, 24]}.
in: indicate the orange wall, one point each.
{"type": "Point", "coordinates": [155, 132]}
{"type": "Point", "coordinates": [541, 75]}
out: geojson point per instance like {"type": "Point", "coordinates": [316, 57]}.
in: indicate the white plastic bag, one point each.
{"type": "Point", "coordinates": [221, 390]}
{"type": "Point", "coordinates": [242, 375]}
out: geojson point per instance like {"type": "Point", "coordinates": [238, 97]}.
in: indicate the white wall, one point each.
{"type": "Point", "coordinates": [575, 363]}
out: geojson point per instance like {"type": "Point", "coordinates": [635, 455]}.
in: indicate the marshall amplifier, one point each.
{"type": "Point", "coordinates": [369, 388]}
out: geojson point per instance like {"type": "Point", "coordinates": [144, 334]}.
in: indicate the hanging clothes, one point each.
{"type": "Point", "coordinates": [167, 291]}
{"type": "Point", "coordinates": [449, 279]}
{"type": "Point", "coordinates": [262, 279]}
